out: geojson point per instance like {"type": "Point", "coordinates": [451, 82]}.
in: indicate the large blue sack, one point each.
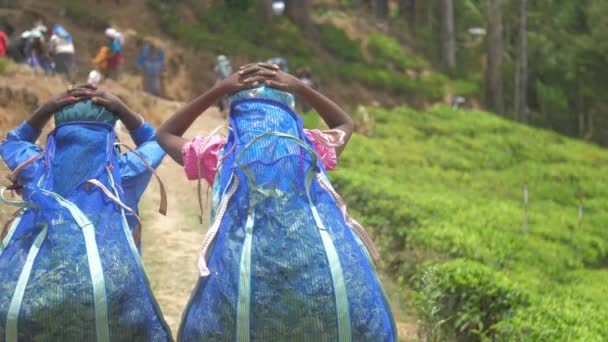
{"type": "Point", "coordinates": [282, 260]}
{"type": "Point", "coordinates": [69, 267]}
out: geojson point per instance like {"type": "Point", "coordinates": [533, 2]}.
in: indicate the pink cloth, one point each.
{"type": "Point", "coordinates": [201, 155]}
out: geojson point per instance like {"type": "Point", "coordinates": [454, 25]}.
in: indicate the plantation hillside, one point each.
{"type": "Point", "coordinates": [441, 190]}
{"type": "Point", "coordinates": [442, 193]}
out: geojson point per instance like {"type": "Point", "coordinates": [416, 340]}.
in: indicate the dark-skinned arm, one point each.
{"type": "Point", "coordinates": [45, 112]}
{"type": "Point", "coordinates": [19, 145]}
{"type": "Point", "coordinates": [334, 116]}
{"type": "Point", "coordinates": [170, 134]}
{"type": "Point", "coordinates": [114, 104]}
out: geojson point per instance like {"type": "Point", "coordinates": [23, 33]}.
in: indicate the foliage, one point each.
{"type": "Point", "coordinates": [467, 88]}
{"type": "Point", "coordinates": [444, 184]}
{"type": "Point", "coordinates": [469, 299]}
{"type": "Point", "coordinates": [239, 32]}
{"type": "Point", "coordinates": [388, 51]}
{"type": "Point", "coordinates": [228, 30]}
{"type": "Point", "coordinates": [339, 44]}
{"type": "Point", "coordinates": [428, 86]}
{"type": "Point", "coordinates": [84, 16]}
{"type": "Point", "coordinates": [428, 302]}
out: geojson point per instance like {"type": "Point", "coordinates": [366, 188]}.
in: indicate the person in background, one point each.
{"type": "Point", "coordinates": [458, 102]}
{"type": "Point", "coordinates": [39, 26]}
{"type": "Point", "coordinates": [222, 69]}
{"type": "Point", "coordinates": [37, 53]}
{"type": "Point", "coordinates": [4, 41]}
{"type": "Point", "coordinates": [280, 62]}
{"type": "Point", "coordinates": [116, 57]}
{"type": "Point", "coordinates": [61, 46]}
{"type": "Point", "coordinates": [101, 60]}
{"type": "Point", "coordinates": [152, 60]}
{"type": "Point", "coordinates": [16, 45]}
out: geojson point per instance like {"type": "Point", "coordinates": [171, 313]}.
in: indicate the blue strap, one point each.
{"type": "Point", "coordinates": [305, 146]}
{"type": "Point", "coordinates": [12, 318]}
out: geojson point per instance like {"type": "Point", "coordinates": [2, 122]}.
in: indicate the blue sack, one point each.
{"type": "Point", "coordinates": [69, 267]}
{"type": "Point", "coordinates": [282, 260]}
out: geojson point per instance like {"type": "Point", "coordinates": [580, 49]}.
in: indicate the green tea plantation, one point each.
{"type": "Point", "coordinates": [442, 192]}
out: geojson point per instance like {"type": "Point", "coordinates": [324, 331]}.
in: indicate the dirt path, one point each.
{"type": "Point", "coordinates": [171, 243]}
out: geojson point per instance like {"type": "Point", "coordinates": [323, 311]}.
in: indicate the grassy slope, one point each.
{"type": "Point", "coordinates": [444, 184]}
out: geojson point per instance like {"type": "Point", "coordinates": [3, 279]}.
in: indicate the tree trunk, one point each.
{"type": "Point", "coordinates": [299, 12]}
{"type": "Point", "coordinates": [407, 10]}
{"type": "Point", "coordinates": [590, 126]}
{"type": "Point", "coordinates": [264, 10]}
{"type": "Point", "coordinates": [380, 8]}
{"type": "Point", "coordinates": [580, 105]}
{"type": "Point", "coordinates": [447, 36]}
{"type": "Point", "coordinates": [521, 75]}
{"type": "Point", "coordinates": [494, 88]}
{"type": "Point", "coordinates": [238, 4]}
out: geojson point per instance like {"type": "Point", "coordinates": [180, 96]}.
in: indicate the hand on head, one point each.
{"type": "Point", "coordinates": [255, 74]}
{"type": "Point", "coordinates": [73, 94]}
{"type": "Point", "coordinates": [83, 92]}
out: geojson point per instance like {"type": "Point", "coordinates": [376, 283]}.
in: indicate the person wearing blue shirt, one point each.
{"type": "Point", "coordinates": [152, 61]}
{"type": "Point", "coordinates": [88, 104]}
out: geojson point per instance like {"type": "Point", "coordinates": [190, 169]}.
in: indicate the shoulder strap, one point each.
{"type": "Point", "coordinates": [4, 231]}
{"type": "Point", "coordinates": [22, 166]}
{"type": "Point", "coordinates": [199, 152]}
{"type": "Point", "coordinates": [163, 191]}
{"type": "Point", "coordinates": [110, 195]}
{"type": "Point", "coordinates": [15, 186]}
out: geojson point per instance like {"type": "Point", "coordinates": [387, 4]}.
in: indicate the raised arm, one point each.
{"type": "Point", "coordinates": [170, 133]}
{"type": "Point", "coordinates": [334, 116]}
{"type": "Point", "coordinates": [129, 118]}
{"type": "Point", "coordinates": [45, 112]}
{"type": "Point", "coordinates": [19, 145]}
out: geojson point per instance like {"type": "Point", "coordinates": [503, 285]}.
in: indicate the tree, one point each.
{"type": "Point", "coordinates": [494, 86]}
{"type": "Point", "coordinates": [521, 75]}
{"type": "Point", "coordinates": [264, 10]}
{"type": "Point", "coordinates": [407, 10]}
{"type": "Point", "coordinates": [299, 12]}
{"type": "Point", "coordinates": [380, 8]}
{"type": "Point", "coordinates": [238, 4]}
{"type": "Point", "coordinates": [447, 36]}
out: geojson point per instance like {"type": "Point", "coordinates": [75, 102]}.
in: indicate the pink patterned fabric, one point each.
{"type": "Point", "coordinates": [201, 155]}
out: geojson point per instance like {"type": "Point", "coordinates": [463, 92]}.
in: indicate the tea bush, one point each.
{"type": "Point", "coordinates": [388, 51]}
{"type": "Point", "coordinates": [446, 184]}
